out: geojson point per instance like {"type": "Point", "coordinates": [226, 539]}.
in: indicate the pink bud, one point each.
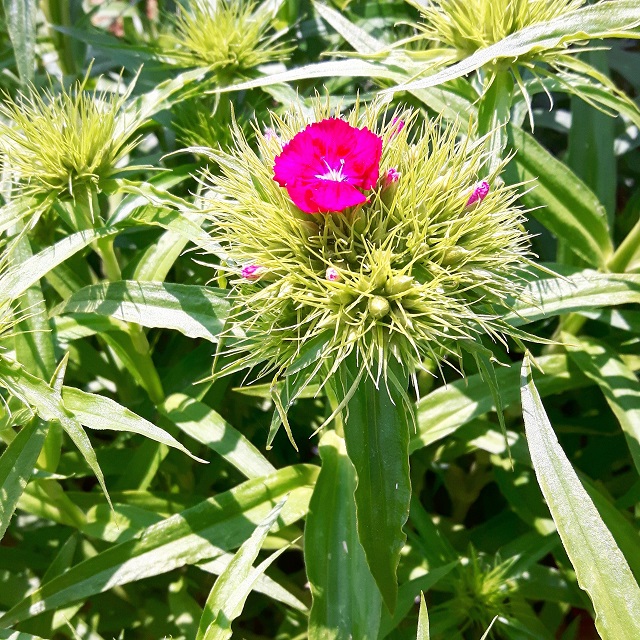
{"type": "Point", "coordinates": [333, 275]}
{"type": "Point", "coordinates": [392, 176]}
{"type": "Point", "coordinates": [252, 271]}
{"type": "Point", "coordinates": [398, 128]}
{"type": "Point", "coordinates": [270, 134]}
{"type": "Point", "coordinates": [479, 193]}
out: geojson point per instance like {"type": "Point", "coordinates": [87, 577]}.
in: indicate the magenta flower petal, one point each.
{"type": "Point", "coordinates": [479, 193]}
{"type": "Point", "coordinates": [324, 166]}
{"type": "Point", "coordinates": [325, 196]}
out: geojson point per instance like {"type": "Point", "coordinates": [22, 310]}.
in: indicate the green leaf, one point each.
{"type": "Point", "coordinates": [616, 19]}
{"type": "Point", "coordinates": [16, 466]}
{"type": "Point", "coordinates": [423, 620]}
{"type": "Point", "coordinates": [233, 586]}
{"type": "Point", "coordinates": [203, 424]}
{"type": "Point", "coordinates": [578, 292]}
{"type": "Point", "coordinates": [446, 409]}
{"type": "Point", "coordinates": [358, 38]}
{"type": "Point", "coordinates": [346, 600]}
{"type": "Point", "coordinates": [20, 17]}
{"type": "Point", "coordinates": [617, 382]}
{"type": "Point", "coordinates": [376, 428]}
{"type": "Point", "coordinates": [47, 403]}
{"type": "Point", "coordinates": [18, 278]}
{"type": "Point", "coordinates": [601, 569]}
{"type": "Point", "coordinates": [334, 68]}
{"type": "Point", "coordinates": [197, 534]}
{"type": "Point", "coordinates": [559, 199]}
{"type": "Point", "coordinates": [195, 311]}
{"type": "Point", "coordinates": [407, 596]}
{"type": "Point", "coordinates": [7, 634]}
{"type": "Point", "coordinates": [99, 412]}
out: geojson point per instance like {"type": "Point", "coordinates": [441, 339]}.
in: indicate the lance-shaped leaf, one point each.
{"type": "Point", "coordinates": [423, 621]}
{"type": "Point", "coordinates": [233, 586]}
{"type": "Point", "coordinates": [601, 569]}
{"type": "Point", "coordinates": [615, 19]}
{"type": "Point", "coordinates": [20, 19]}
{"type": "Point", "coordinates": [559, 199]}
{"type": "Point", "coordinates": [578, 292]}
{"type": "Point", "coordinates": [47, 403]}
{"type": "Point", "coordinates": [18, 278]}
{"type": "Point", "coordinates": [617, 382]}
{"type": "Point", "coordinates": [195, 311]}
{"type": "Point", "coordinates": [99, 412]}
{"type": "Point", "coordinates": [194, 535]}
{"type": "Point", "coordinates": [376, 429]}
{"type": "Point", "coordinates": [346, 600]}
{"type": "Point", "coordinates": [203, 424]}
{"type": "Point", "coordinates": [16, 466]}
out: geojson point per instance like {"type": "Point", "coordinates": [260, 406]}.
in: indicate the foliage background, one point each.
{"type": "Point", "coordinates": [114, 323]}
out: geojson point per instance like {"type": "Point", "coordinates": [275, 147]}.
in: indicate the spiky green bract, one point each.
{"type": "Point", "coordinates": [60, 143]}
{"type": "Point", "coordinates": [418, 270]}
{"type": "Point", "coordinates": [468, 25]}
{"type": "Point", "coordinates": [229, 35]}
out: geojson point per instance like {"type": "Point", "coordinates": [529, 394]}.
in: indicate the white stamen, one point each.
{"type": "Point", "coordinates": [332, 174]}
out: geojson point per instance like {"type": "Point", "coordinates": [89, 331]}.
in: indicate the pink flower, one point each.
{"type": "Point", "coordinates": [479, 193]}
{"type": "Point", "coordinates": [252, 271]}
{"type": "Point", "coordinates": [333, 275]}
{"type": "Point", "coordinates": [326, 166]}
{"type": "Point", "coordinates": [392, 176]}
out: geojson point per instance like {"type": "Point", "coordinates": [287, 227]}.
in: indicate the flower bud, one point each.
{"type": "Point", "coordinates": [340, 297]}
{"type": "Point", "coordinates": [392, 176]}
{"type": "Point", "coordinates": [479, 193]}
{"type": "Point", "coordinates": [332, 275]}
{"type": "Point", "coordinates": [252, 272]}
{"type": "Point", "coordinates": [398, 284]}
{"type": "Point", "coordinates": [454, 255]}
{"type": "Point", "coordinates": [378, 306]}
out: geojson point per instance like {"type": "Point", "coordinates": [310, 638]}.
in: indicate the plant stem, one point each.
{"type": "Point", "coordinates": [494, 114]}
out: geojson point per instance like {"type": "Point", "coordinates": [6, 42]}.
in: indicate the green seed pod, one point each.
{"type": "Point", "coordinates": [378, 307]}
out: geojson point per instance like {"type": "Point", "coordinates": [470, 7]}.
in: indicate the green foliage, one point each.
{"type": "Point", "coordinates": [421, 489]}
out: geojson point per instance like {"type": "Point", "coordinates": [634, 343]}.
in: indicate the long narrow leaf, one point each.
{"type": "Point", "coordinates": [195, 311]}
{"type": "Point", "coordinates": [601, 569]}
{"type": "Point", "coordinates": [229, 593]}
{"type": "Point", "coordinates": [197, 534]}
{"type": "Point", "coordinates": [346, 600]}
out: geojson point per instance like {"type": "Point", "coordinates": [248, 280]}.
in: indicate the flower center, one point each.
{"type": "Point", "coordinates": [335, 175]}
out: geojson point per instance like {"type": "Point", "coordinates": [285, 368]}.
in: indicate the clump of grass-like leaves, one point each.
{"type": "Point", "coordinates": [55, 144]}
{"type": "Point", "coordinates": [411, 273]}
{"type": "Point", "coordinates": [229, 36]}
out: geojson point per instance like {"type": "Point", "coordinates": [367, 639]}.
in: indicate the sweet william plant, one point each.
{"type": "Point", "coordinates": [358, 248]}
{"type": "Point", "coordinates": [374, 256]}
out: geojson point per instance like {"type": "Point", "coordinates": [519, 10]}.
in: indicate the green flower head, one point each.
{"type": "Point", "coordinates": [468, 25]}
{"type": "Point", "coordinates": [55, 144]}
{"type": "Point", "coordinates": [230, 36]}
{"type": "Point", "coordinates": [374, 234]}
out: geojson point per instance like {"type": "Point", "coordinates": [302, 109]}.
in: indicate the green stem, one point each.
{"type": "Point", "coordinates": [494, 114]}
{"type": "Point", "coordinates": [628, 253]}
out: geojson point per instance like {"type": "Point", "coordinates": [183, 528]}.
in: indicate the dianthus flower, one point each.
{"type": "Point", "coordinates": [417, 264]}
{"type": "Point", "coordinates": [326, 167]}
